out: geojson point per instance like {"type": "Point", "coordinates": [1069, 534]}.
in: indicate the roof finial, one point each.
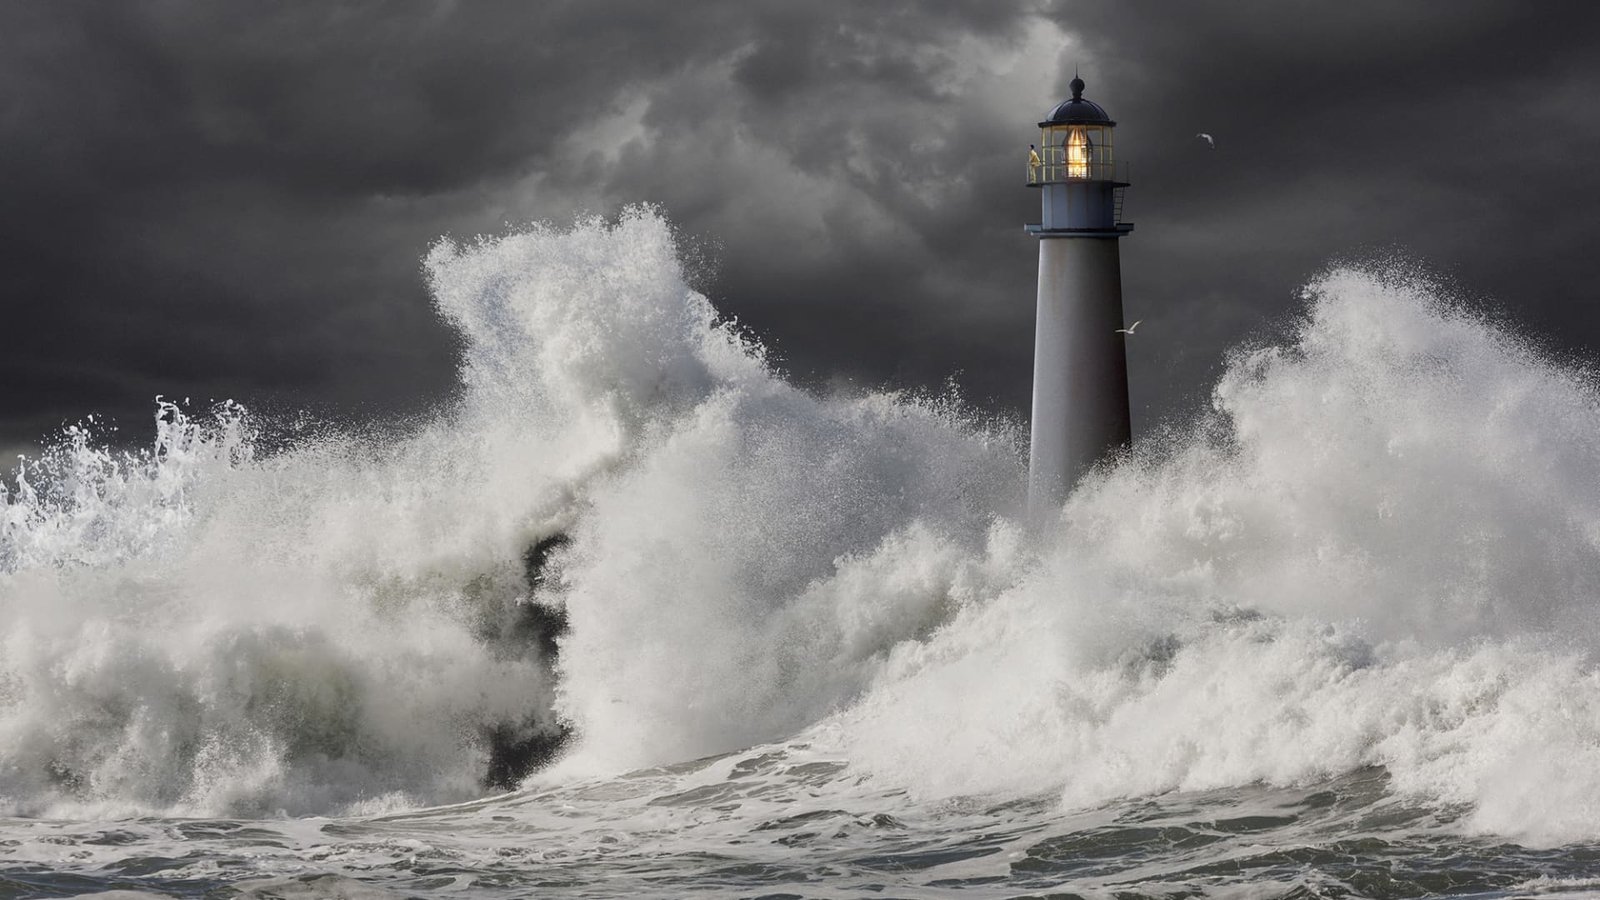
{"type": "Point", "coordinates": [1077, 85]}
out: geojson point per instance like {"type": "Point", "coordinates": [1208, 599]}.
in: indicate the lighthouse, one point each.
{"type": "Point", "coordinates": [1080, 367]}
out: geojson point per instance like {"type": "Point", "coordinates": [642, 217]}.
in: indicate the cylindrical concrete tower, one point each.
{"type": "Point", "coordinates": [1080, 368]}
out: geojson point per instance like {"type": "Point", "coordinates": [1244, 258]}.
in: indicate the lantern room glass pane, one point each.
{"type": "Point", "coordinates": [1075, 153]}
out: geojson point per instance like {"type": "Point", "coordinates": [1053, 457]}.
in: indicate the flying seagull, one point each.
{"type": "Point", "coordinates": [1130, 328]}
{"type": "Point", "coordinates": [1208, 139]}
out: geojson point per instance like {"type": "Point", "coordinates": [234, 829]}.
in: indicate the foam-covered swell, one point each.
{"type": "Point", "coordinates": [348, 624]}
{"type": "Point", "coordinates": [1381, 547]}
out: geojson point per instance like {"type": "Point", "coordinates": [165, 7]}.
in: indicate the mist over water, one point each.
{"type": "Point", "coordinates": [1380, 547]}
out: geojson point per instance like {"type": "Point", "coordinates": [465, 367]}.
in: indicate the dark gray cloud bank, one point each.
{"type": "Point", "coordinates": [231, 199]}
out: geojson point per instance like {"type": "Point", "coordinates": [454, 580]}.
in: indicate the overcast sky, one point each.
{"type": "Point", "coordinates": [213, 199]}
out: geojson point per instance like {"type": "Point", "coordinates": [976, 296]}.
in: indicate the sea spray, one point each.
{"type": "Point", "coordinates": [724, 585]}
{"type": "Point", "coordinates": [343, 624]}
{"type": "Point", "coordinates": [333, 624]}
{"type": "Point", "coordinates": [1377, 549]}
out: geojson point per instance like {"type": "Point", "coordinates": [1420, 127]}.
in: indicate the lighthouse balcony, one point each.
{"type": "Point", "coordinates": [1062, 173]}
{"type": "Point", "coordinates": [1068, 172]}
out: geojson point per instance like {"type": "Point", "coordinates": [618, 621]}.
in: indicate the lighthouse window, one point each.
{"type": "Point", "coordinates": [1074, 152]}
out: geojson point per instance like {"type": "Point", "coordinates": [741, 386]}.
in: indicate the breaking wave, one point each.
{"type": "Point", "coordinates": [631, 542]}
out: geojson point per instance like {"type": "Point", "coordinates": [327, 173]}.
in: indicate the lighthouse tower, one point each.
{"type": "Point", "coordinates": [1080, 368]}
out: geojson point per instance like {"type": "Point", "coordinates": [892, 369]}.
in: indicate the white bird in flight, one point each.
{"type": "Point", "coordinates": [1207, 138]}
{"type": "Point", "coordinates": [1130, 328]}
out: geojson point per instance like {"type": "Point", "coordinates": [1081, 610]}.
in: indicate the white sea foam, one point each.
{"type": "Point", "coordinates": [200, 629]}
{"type": "Point", "coordinates": [1378, 548]}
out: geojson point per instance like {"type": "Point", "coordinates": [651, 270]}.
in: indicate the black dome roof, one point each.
{"type": "Point", "coordinates": [1077, 111]}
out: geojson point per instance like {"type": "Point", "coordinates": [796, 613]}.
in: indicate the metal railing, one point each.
{"type": "Point", "coordinates": [1059, 171]}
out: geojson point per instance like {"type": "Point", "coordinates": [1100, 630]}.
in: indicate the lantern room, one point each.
{"type": "Point", "coordinates": [1076, 169]}
{"type": "Point", "coordinates": [1075, 142]}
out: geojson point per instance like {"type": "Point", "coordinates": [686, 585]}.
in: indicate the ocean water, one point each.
{"type": "Point", "coordinates": [636, 617]}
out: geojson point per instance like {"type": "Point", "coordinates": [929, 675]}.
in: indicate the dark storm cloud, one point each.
{"type": "Point", "coordinates": [1460, 136]}
{"type": "Point", "coordinates": [216, 200]}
